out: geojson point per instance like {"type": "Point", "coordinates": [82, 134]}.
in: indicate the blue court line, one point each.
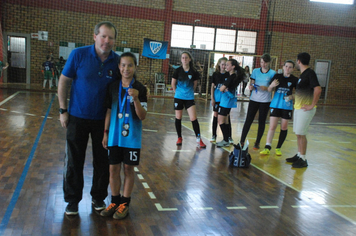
{"type": "Point", "coordinates": [5, 220]}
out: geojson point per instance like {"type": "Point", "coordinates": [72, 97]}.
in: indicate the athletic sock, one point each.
{"type": "Point", "coordinates": [196, 127]}
{"type": "Point", "coordinates": [229, 128]}
{"type": "Point", "coordinates": [126, 200]}
{"type": "Point", "coordinates": [303, 157]}
{"type": "Point", "coordinates": [225, 129]}
{"type": "Point", "coordinates": [116, 199]}
{"type": "Point", "coordinates": [268, 146]}
{"type": "Point", "coordinates": [298, 154]}
{"type": "Point", "coordinates": [179, 127]}
{"type": "Point", "coordinates": [215, 125]}
{"type": "Point", "coordinates": [282, 138]}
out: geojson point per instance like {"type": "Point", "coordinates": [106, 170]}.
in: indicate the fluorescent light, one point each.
{"type": "Point", "coordinates": [350, 2]}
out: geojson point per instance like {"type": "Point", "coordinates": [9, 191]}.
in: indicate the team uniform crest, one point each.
{"type": "Point", "coordinates": [155, 46]}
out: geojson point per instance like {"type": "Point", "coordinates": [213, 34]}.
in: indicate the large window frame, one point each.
{"type": "Point", "coordinates": [213, 39]}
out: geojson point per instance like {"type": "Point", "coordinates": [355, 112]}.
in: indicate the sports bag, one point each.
{"type": "Point", "coordinates": [240, 157]}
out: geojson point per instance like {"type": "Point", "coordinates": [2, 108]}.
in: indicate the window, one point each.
{"type": "Point", "coordinates": [204, 38]}
{"type": "Point", "coordinates": [217, 39]}
{"type": "Point", "coordinates": [246, 41]}
{"type": "Point", "coordinates": [181, 36]}
{"type": "Point", "coordinates": [350, 2]}
{"type": "Point", "coordinates": [225, 40]}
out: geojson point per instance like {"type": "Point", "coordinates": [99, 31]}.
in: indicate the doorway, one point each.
{"type": "Point", "coordinates": [17, 50]}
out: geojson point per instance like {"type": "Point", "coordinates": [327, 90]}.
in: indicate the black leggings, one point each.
{"type": "Point", "coordinates": [253, 107]}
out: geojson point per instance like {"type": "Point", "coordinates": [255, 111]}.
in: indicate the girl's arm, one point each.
{"type": "Point", "coordinates": [140, 111]}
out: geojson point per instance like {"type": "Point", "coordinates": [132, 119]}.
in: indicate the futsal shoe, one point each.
{"type": "Point", "coordinates": [231, 141]}
{"type": "Point", "coordinates": [256, 146]}
{"type": "Point", "coordinates": [293, 159]}
{"type": "Point", "coordinates": [278, 152]}
{"type": "Point", "coordinates": [222, 143]}
{"type": "Point", "coordinates": [300, 163]}
{"type": "Point", "coordinates": [179, 141]}
{"type": "Point", "coordinates": [200, 143]}
{"type": "Point", "coordinates": [213, 139]}
{"type": "Point", "coordinates": [265, 151]}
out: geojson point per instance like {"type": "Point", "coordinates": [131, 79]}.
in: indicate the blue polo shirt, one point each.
{"type": "Point", "coordinates": [90, 77]}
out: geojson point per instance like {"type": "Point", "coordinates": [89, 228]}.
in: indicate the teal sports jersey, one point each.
{"type": "Point", "coordinates": [218, 80]}
{"type": "Point", "coordinates": [261, 79]}
{"type": "Point", "coordinates": [228, 99]}
{"type": "Point", "coordinates": [115, 138]}
{"type": "Point", "coordinates": [185, 83]}
{"type": "Point", "coordinates": [285, 88]}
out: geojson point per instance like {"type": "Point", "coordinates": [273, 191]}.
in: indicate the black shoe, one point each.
{"type": "Point", "coordinates": [256, 146]}
{"type": "Point", "coordinates": [292, 159]}
{"type": "Point", "coordinates": [98, 205]}
{"type": "Point", "coordinates": [300, 163]}
{"type": "Point", "coordinates": [72, 209]}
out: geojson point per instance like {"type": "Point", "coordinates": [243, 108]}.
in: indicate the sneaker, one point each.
{"type": "Point", "coordinates": [300, 163]}
{"type": "Point", "coordinates": [110, 210]}
{"type": "Point", "coordinates": [278, 152]}
{"type": "Point", "coordinates": [223, 143]}
{"type": "Point", "coordinates": [256, 146]}
{"type": "Point", "coordinates": [293, 159]}
{"type": "Point", "coordinates": [121, 212]}
{"type": "Point", "coordinates": [200, 143]}
{"type": "Point", "coordinates": [72, 209]}
{"type": "Point", "coordinates": [213, 139]}
{"type": "Point", "coordinates": [179, 141]}
{"type": "Point", "coordinates": [98, 205]}
{"type": "Point", "coordinates": [231, 141]}
{"type": "Point", "coordinates": [265, 151]}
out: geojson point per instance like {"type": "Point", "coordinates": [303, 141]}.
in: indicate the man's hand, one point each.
{"type": "Point", "coordinates": [64, 119]}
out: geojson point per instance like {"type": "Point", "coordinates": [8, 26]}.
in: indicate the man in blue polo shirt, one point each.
{"type": "Point", "coordinates": [89, 69]}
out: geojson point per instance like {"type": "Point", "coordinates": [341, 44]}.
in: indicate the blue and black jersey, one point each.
{"type": "Point", "coordinates": [218, 80]}
{"type": "Point", "coordinates": [115, 138]}
{"type": "Point", "coordinates": [284, 88]}
{"type": "Point", "coordinates": [185, 83]}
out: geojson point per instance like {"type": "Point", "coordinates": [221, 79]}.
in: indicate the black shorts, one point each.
{"type": "Point", "coordinates": [216, 107]}
{"type": "Point", "coordinates": [129, 156]}
{"type": "Point", "coordinates": [284, 114]}
{"type": "Point", "coordinates": [179, 104]}
{"type": "Point", "coordinates": [223, 111]}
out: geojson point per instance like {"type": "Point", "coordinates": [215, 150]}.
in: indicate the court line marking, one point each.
{"type": "Point", "coordinates": [9, 98]}
{"type": "Point", "coordinates": [15, 196]}
{"type": "Point", "coordinates": [150, 130]}
{"type": "Point", "coordinates": [269, 207]}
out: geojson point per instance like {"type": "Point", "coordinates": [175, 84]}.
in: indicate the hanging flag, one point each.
{"type": "Point", "coordinates": [154, 49]}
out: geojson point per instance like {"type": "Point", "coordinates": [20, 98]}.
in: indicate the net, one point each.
{"type": "Point", "coordinates": [33, 29]}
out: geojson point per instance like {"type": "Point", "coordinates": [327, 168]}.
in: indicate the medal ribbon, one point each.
{"type": "Point", "coordinates": [125, 100]}
{"type": "Point", "coordinates": [256, 87]}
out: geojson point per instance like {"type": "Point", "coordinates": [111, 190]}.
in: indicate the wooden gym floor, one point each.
{"type": "Point", "coordinates": [179, 191]}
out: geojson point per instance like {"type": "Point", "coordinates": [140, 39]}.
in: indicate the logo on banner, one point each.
{"type": "Point", "coordinates": [155, 47]}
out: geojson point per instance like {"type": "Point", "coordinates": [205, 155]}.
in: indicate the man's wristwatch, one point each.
{"type": "Point", "coordinates": [61, 110]}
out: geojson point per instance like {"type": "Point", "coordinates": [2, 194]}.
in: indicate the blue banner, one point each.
{"type": "Point", "coordinates": [154, 49]}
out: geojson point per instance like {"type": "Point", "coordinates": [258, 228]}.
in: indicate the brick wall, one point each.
{"type": "Point", "coordinates": [326, 31]}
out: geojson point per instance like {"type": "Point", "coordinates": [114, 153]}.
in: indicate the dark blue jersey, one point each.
{"type": "Point", "coordinates": [47, 65]}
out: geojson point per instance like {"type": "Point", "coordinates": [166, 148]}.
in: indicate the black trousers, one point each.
{"type": "Point", "coordinates": [262, 109]}
{"type": "Point", "coordinates": [78, 131]}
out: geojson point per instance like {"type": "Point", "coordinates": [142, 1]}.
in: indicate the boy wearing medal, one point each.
{"type": "Point", "coordinates": [126, 103]}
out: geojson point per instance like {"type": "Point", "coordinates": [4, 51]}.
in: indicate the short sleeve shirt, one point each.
{"type": "Point", "coordinates": [185, 83]}
{"type": "Point", "coordinates": [218, 80]}
{"type": "Point", "coordinates": [304, 93]}
{"type": "Point", "coordinates": [90, 77]}
{"type": "Point", "coordinates": [115, 138]}
{"type": "Point", "coordinates": [261, 79]}
{"type": "Point", "coordinates": [284, 88]}
{"type": "Point", "coordinates": [228, 99]}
